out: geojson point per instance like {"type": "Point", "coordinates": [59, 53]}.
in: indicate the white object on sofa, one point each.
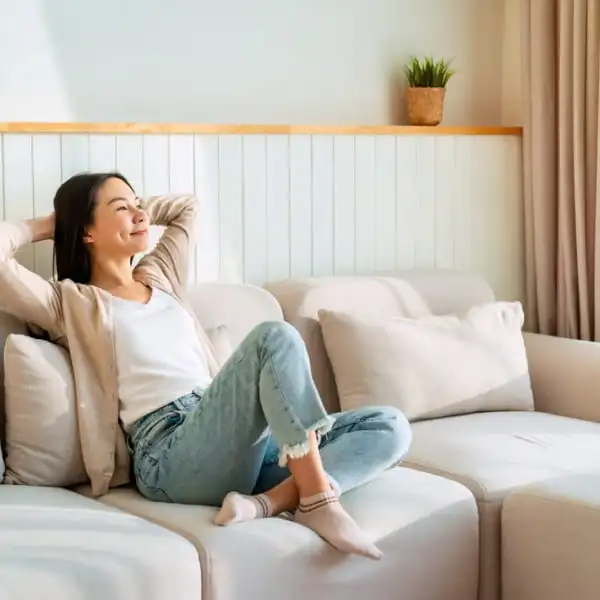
{"type": "Point", "coordinates": [56, 544]}
{"type": "Point", "coordinates": [521, 447]}
{"type": "Point", "coordinates": [551, 540]}
{"type": "Point", "coordinates": [431, 366]}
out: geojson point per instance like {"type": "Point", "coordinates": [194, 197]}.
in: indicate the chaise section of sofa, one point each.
{"type": "Point", "coordinates": [491, 453]}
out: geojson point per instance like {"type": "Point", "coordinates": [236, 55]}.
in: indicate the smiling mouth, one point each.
{"type": "Point", "coordinates": [140, 232]}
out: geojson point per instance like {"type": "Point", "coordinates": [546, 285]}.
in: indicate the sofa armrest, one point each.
{"type": "Point", "coordinates": [565, 376]}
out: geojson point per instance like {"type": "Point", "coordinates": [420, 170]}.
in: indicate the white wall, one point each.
{"type": "Point", "coordinates": [243, 61]}
{"type": "Point", "coordinates": [275, 206]}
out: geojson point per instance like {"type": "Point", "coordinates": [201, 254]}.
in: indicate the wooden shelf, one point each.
{"type": "Point", "coordinates": [199, 128]}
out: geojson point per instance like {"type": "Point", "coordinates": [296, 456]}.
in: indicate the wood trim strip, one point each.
{"type": "Point", "coordinates": [194, 128]}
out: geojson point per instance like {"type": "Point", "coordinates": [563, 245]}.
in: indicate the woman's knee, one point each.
{"type": "Point", "coordinates": [396, 430]}
{"type": "Point", "coordinates": [272, 335]}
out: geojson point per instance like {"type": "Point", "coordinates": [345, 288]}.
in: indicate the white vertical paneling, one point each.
{"type": "Point", "coordinates": [102, 153]}
{"type": "Point", "coordinates": [231, 222]}
{"type": "Point", "coordinates": [462, 208]}
{"type": "Point", "coordinates": [18, 186]}
{"type": "Point", "coordinates": [181, 164]}
{"type": "Point", "coordinates": [499, 215]}
{"type": "Point", "coordinates": [278, 207]}
{"type": "Point", "coordinates": [510, 224]}
{"type": "Point", "coordinates": [406, 202]}
{"type": "Point", "coordinates": [181, 177]}
{"type": "Point", "coordinates": [385, 203]}
{"type": "Point", "coordinates": [425, 240]}
{"type": "Point", "coordinates": [365, 204]}
{"type": "Point", "coordinates": [255, 222]}
{"type": "Point", "coordinates": [478, 194]}
{"type": "Point", "coordinates": [129, 160]}
{"type": "Point", "coordinates": [155, 168]}
{"type": "Point", "coordinates": [484, 195]}
{"type": "Point", "coordinates": [75, 154]}
{"type": "Point", "coordinates": [344, 206]}
{"type": "Point", "coordinates": [322, 204]}
{"type": "Point", "coordinates": [300, 206]}
{"type": "Point", "coordinates": [445, 192]}
{"type": "Point", "coordinates": [273, 206]}
{"type": "Point", "coordinates": [46, 180]}
{"type": "Point", "coordinates": [206, 181]}
{"type": "Point", "coordinates": [156, 164]}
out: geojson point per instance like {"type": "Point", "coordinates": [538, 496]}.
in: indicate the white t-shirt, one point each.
{"type": "Point", "coordinates": [159, 356]}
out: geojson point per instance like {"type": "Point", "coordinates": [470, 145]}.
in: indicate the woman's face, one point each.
{"type": "Point", "coordinates": [120, 226]}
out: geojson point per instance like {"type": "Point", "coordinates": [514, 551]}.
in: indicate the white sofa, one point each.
{"type": "Point", "coordinates": [492, 453]}
{"type": "Point", "coordinates": [426, 525]}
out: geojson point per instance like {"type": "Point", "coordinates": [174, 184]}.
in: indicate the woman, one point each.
{"type": "Point", "coordinates": [252, 437]}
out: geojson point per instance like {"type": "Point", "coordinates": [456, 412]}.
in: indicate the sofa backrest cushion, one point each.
{"type": "Point", "coordinates": [239, 307]}
{"type": "Point", "coordinates": [406, 293]}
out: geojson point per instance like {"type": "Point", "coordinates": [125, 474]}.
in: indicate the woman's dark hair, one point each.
{"type": "Point", "coordinates": [74, 205]}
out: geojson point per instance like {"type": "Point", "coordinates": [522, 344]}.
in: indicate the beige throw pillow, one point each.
{"type": "Point", "coordinates": [42, 439]}
{"type": "Point", "coordinates": [433, 366]}
{"type": "Point", "coordinates": [42, 445]}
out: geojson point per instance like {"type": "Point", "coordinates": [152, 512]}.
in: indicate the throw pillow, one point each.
{"type": "Point", "coordinates": [42, 445]}
{"type": "Point", "coordinates": [432, 366]}
{"type": "Point", "coordinates": [42, 439]}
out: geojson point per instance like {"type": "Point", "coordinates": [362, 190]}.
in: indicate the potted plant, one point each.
{"type": "Point", "coordinates": [426, 91]}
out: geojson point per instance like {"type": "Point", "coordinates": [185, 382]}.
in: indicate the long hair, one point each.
{"type": "Point", "coordinates": [74, 205]}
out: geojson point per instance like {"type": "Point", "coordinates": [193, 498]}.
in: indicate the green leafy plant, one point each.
{"type": "Point", "coordinates": [428, 72]}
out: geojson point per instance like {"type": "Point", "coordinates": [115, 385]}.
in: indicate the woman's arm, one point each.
{"type": "Point", "coordinates": [41, 229]}
{"type": "Point", "coordinates": [171, 255]}
{"type": "Point", "coordinates": [25, 294]}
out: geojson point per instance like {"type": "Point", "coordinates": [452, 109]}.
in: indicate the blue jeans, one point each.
{"type": "Point", "coordinates": [238, 433]}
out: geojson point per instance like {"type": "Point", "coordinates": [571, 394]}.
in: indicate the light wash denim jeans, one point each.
{"type": "Point", "coordinates": [238, 433]}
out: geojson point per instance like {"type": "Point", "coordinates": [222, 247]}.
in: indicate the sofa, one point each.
{"type": "Point", "coordinates": [60, 543]}
{"type": "Point", "coordinates": [437, 517]}
{"type": "Point", "coordinates": [493, 454]}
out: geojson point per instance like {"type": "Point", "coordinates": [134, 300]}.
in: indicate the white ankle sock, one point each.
{"type": "Point", "coordinates": [237, 508]}
{"type": "Point", "coordinates": [325, 516]}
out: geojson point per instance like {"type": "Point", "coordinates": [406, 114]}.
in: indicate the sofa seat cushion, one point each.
{"type": "Point", "coordinates": [425, 525]}
{"type": "Point", "coordinates": [58, 544]}
{"type": "Point", "coordinates": [495, 453]}
{"type": "Point", "coordinates": [551, 540]}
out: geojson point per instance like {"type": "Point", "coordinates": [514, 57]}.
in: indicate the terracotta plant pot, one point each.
{"type": "Point", "coordinates": [425, 106]}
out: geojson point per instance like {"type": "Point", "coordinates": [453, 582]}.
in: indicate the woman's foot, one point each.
{"type": "Point", "coordinates": [237, 508]}
{"type": "Point", "coordinates": [325, 516]}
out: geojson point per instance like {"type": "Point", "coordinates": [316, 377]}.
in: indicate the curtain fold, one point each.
{"type": "Point", "coordinates": [561, 71]}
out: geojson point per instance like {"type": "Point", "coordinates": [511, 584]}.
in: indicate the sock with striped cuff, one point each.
{"type": "Point", "coordinates": [237, 508]}
{"type": "Point", "coordinates": [324, 514]}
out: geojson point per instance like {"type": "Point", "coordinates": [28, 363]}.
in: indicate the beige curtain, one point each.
{"type": "Point", "coordinates": [561, 65]}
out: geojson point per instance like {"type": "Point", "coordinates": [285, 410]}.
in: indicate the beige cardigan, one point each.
{"type": "Point", "coordinates": [79, 317]}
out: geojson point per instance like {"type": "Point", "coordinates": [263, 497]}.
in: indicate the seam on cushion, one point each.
{"type": "Point", "coordinates": [474, 486]}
